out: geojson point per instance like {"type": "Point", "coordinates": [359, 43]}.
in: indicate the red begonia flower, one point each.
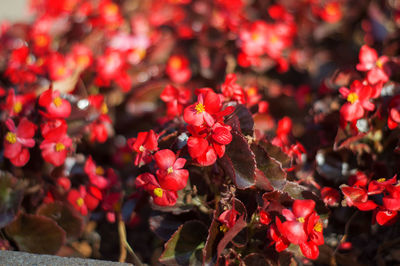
{"type": "Point", "coordinates": [228, 218]}
{"type": "Point", "coordinates": [56, 107]}
{"type": "Point", "coordinates": [274, 233]}
{"type": "Point", "coordinates": [394, 112]}
{"type": "Point", "coordinates": [170, 173]}
{"type": "Point", "coordinates": [160, 196]}
{"type": "Point", "coordinates": [330, 196]}
{"type": "Point", "coordinates": [207, 105]}
{"type": "Point", "coordinates": [55, 145]}
{"type": "Point", "coordinates": [82, 201]}
{"type": "Point", "coordinates": [175, 99]}
{"type": "Point", "coordinates": [377, 69]}
{"type": "Point", "coordinates": [143, 145]}
{"type": "Point", "coordinates": [357, 101]}
{"type": "Point", "coordinates": [17, 140]}
{"type": "Point", "coordinates": [95, 174]}
{"type": "Point", "coordinates": [178, 69]}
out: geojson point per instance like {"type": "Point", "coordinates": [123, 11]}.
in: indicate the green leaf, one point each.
{"type": "Point", "coordinates": [239, 161]}
{"type": "Point", "coordinates": [64, 216]}
{"type": "Point", "coordinates": [186, 244]}
{"type": "Point", "coordinates": [36, 234]}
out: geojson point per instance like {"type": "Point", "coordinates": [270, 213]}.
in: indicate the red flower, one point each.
{"type": "Point", "coordinates": [394, 112]}
{"type": "Point", "coordinates": [55, 145]}
{"type": "Point", "coordinates": [231, 90]}
{"type": "Point", "coordinates": [82, 56]}
{"type": "Point", "coordinates": [17, 139]}
{"type": "Point", "coordinates": [143, 145]}
{"type": "Point", "coordinates": [170, 173]}
{"type": "Point", "coordinates": [95, 174]}
{"type": "Point", "coordinates": [274, 233]}
{"type": "Point", "coordinates": [56, 107]}
{"type": "Point", "coordinates": [178, 69]}
{"type": "Point", "coordinates": [228, 218]}
{"type": "Point", "coordinates": [15, 103]}
{"type": "Point", "coordinates": [57, 67]}
{"type": "Point", "coordinates": [160, 196]}
{"type": "Point", "coordinates": [329, 12]}
{"type": "Point", "coordinates": [330, 196]}
{"type": "Point", "coordinates": [357, 197]}
{"type": "Point", "coordinates": [112, 66]}
{"type": "Point", "coordinates": [294, 229]}
{"type": "Point", "coordinates": [175, 99]}
{"type": "Point", "coordinates": [207, 105]}
{"type": "Point", "coordinates": [82, 201]}
{"type": "Point", "coordinates": [385, 217]}
{"type": "Point", "coordinates": [357, 101]}
{"type": "Point", "coordinates": [378, 71]}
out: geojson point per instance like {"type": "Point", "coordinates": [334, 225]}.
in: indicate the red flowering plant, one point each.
{"type": "Point", "coordinates": [214, 132]}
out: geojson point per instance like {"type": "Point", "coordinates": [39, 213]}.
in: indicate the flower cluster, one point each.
{"type": "Point", "coordinates": [302, 227]}
{"type": "Point", "coordinates": [363, 193]}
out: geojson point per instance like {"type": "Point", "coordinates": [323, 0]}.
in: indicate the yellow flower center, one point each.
{"type": "Point", "coordinates": [380, 180]}
{"type": "Point", "coordinates": [158, 192]}
{"type": "Point", "coordinates": [331, 9]}
{"type": "Point", "coordinates": [170, 170]}
{"type": "Point", "coordinates": [255, 36]}
{"type": "Point", "coordinates": [57, 101]}
{"type": "Point", "coordinates": [274, 39]}
{"type": "Point", "coordinates": [176, 62]}
{"type": "Point", "coordinates": [200, 108]}
{"type": "Point", "coordinates": [99, 170]}
{"type": "Point", "coordinates": [61, 71]}
{"type": "Point", "coordinates": [318, 227]}
{"type": "Point", "coordinates": [83, 60]}
{"type": "Point", "coordinates": [223, 228]}
{"type": "Point", "coordinates": [80, 202]}
{"type": "Point", "coordinates": [104, 109]}
{"type": "Point", "coordinates": [252, 91]}
{"type": "Point", "coordinates": [41, 41]}
{"type": "Point", "coordinates": [301, 219]}
{"type": "Point", "coordinates": [60, 147]}
{"type": "Point", "coordinates": [11, 137]}
{"type": "Point", "coordinates": [352, 97]}
{"type": "Point", "coordinates": [17, 107]}
{"type": "Point", "coordinates": [111, 9]}
{"type": "Point", "coordinates": [141, 148]}
{"type": "Point", "coordinates": [379, 63]}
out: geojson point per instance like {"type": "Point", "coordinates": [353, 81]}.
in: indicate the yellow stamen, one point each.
{"type": "Point", "coordinates": [176, 62]}
{"type": "Point", "coordinates": [255, 36]}
{"type": "Point", "coordinates": [331, 9]}
{"type": "Point", "coordinates": [11, 137]}
{"type": "Point", "coordinates": [352, 97]}
{"type": "Point", "coordinates": [111, 9]}
{"type": "Point", "coordinates": [104, 109]}
{"type": "Point", "coordinates": [379, 63]}
{"type": "Point", "coordinates": [252, 91]}
{"type": "Point", "coordinates": [57, 101]}
{"type": "Point", "coordinates": [301, 219]}
{"type": "Point", "coordinates": [318, 227]}
{"type": "Point", "coordinates": [83, 60]}
{"type": "Point", "coordinates": [141, 148]}
{"type": "Point", "coordinates": [17, 107]}
{"type": "Point", "coordinates": [380, 180]}
{"type": "Point", "coordinates": [170, 170]}
{"type": "Point", "coordinates": [41, 41]}
{"type": "Point", "coordinates": [99, 170]}
{"type": "Point", "coordinates": [80, 202]}
{"type": "Point", "coordinates": [61, 71]}
{"type": "Point", "coordinates": [60, 147]}
{"type": "Point", "coordinates": [200, 108]}
{"type": "Point", "coordinates": [274, 39]}
{"type": "Point", "coordinates": [158, 192]}
{"type": "Point", "coordinates": [223, 228]}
